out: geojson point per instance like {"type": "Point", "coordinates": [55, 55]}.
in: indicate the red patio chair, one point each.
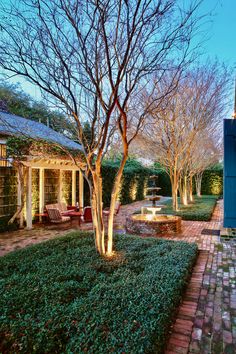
{"type": "Point", "coordinates": [56, 217]}
{"type": "Point", "coordinates": [88, 214]}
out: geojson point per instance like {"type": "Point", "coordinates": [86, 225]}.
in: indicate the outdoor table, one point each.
{"type": "Point", "coordinates": [41, 215]}
{"type": "Point", "coordinates": [74, 214]}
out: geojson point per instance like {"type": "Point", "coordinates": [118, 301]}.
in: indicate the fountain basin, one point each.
{"type": "Point", "coordinates": [150, 225]}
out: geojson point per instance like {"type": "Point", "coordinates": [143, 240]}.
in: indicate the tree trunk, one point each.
{"type": "Point", "coordinates": [191, 188]}
{"type": "Point", "coordinates": [198, 181]}
{"type": "Point", "coordinates": [97, 208]}
{"type": "Point", "coordinates": [183, 190]}
{"type": "Point", "coordinates": [114, 194]}
{"type": "Point", "coordinates": [175, 199]}
{"type": "Point", "coordinates": [174, 188]}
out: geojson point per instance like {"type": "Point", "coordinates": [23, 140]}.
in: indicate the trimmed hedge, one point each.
{"type": "Point", "coordinates": [163, 182]}
{"type": "Point", "coordinates": [133, 184]}
{"type": "Point", "coordinates": [61, 297]}
{"type": "Point", "coordinates": [212, 182]}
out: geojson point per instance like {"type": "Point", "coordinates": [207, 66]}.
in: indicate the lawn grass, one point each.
{"type": "Point", "coordinates": [200, 210]}
{"type": "Point", "coordinates": [61, 297]}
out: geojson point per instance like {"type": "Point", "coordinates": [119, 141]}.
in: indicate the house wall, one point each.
{"type": "Point", "coordinates": [66, 187]}
{"type": "Point", "coordinates": [51, 186]}
{"type": "Point", "coordinates": [230, 173]}
{"type": "Point", "coordinates": [8, 191]}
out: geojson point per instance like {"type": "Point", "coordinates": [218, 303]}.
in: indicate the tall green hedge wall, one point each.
{"type": "Point", "coordinates": [212, 182]}
{"type": "Point", "coordinates": [134, 181]}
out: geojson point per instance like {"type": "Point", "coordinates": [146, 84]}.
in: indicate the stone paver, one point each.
{"type": "Point", "coordinates": [11, 241]}
{"type": "Point", "coordinates": [206, 318]}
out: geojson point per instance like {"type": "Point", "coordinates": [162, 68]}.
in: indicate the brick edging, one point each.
{"type": "Point", "coordinates": [182, 329]}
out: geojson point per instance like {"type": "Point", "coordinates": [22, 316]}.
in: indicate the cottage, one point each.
{"type": "Point", "coordinates": [45, 156]}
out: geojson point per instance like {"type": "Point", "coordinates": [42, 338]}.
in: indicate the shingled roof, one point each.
{"type": "Point", "coordinates": [13, 125]}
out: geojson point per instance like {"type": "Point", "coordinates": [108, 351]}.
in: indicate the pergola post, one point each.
{"type": "Point", "coordinates": [41, 191]}
{"type": "Point", "coordinates": [73, 186]}
{"type": "Point", "coordinates": [59, 196]}
{"type": "Point", "coordinates": [29, 199]}
{"type": "Point", "coordinates": [81, 191]}
{"type": "Point", "coordinates": [19, 194]}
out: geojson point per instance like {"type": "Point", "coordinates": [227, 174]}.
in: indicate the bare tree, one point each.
{"type": "Point", "coordinates": [173, 133]}
{"type": "Point", "coordinates": [207, 153]}
{"type": "Point", "coordinates": [93, 58]}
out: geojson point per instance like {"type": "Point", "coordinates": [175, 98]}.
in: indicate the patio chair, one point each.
{"type": "Point", "coordinates": [56, 217]}
{"type": "Point", "coordinates": [106, 211]}
{"type": "Point", "coordinates": [88, 214]}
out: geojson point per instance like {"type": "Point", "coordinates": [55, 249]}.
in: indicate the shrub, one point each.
{"type": "Point", "coordinates": [4, 224]}
{"type": "Point", "coordinates": [61, 297]}
{"type": "Point", "coordinates": [212, 182]}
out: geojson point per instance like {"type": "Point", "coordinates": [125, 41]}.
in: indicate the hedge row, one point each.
{"type": "Point", "coordinates": [212, 182]}
{"type": "Point", "coordinates": [133, 184]}
{"type": "Point", "coordinates": [135, 179]}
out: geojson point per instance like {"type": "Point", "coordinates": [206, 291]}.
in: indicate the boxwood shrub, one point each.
{"type": "Point", "coordinates": [61, 297]}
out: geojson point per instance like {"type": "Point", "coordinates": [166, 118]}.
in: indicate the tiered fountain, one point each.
{"type": "Point", "coordinates": [153, 197]}
{"type": "Point", "coordinates": [152, 224]}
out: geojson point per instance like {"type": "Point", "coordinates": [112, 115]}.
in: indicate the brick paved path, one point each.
{"type": "Point", "coordinates": [206, 320]}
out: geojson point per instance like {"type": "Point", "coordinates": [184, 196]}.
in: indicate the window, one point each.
{"type": "Point", "coordinates": [3, 156]}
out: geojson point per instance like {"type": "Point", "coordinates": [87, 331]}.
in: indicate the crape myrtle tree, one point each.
{"type": "Point", "coordinates": [93, 58]}
{"type": "Point", "coordinates": [206, 154]}
{"type": "Point", "coordinates": [194, 109]}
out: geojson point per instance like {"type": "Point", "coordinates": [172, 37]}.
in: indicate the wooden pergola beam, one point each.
{"type": "Point", "coordinates": [53, 164]}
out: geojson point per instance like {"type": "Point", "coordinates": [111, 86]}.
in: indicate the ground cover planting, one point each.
{"type": "Point", "coordinates": [60, 296]}
{"type": "Point", "coordinates": [200, 210]}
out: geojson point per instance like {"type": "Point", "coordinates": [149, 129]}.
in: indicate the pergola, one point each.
{"type": "Point", "coordinates": [54, 164]}
{"type": "Point", "coordinates": [11, 125]}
